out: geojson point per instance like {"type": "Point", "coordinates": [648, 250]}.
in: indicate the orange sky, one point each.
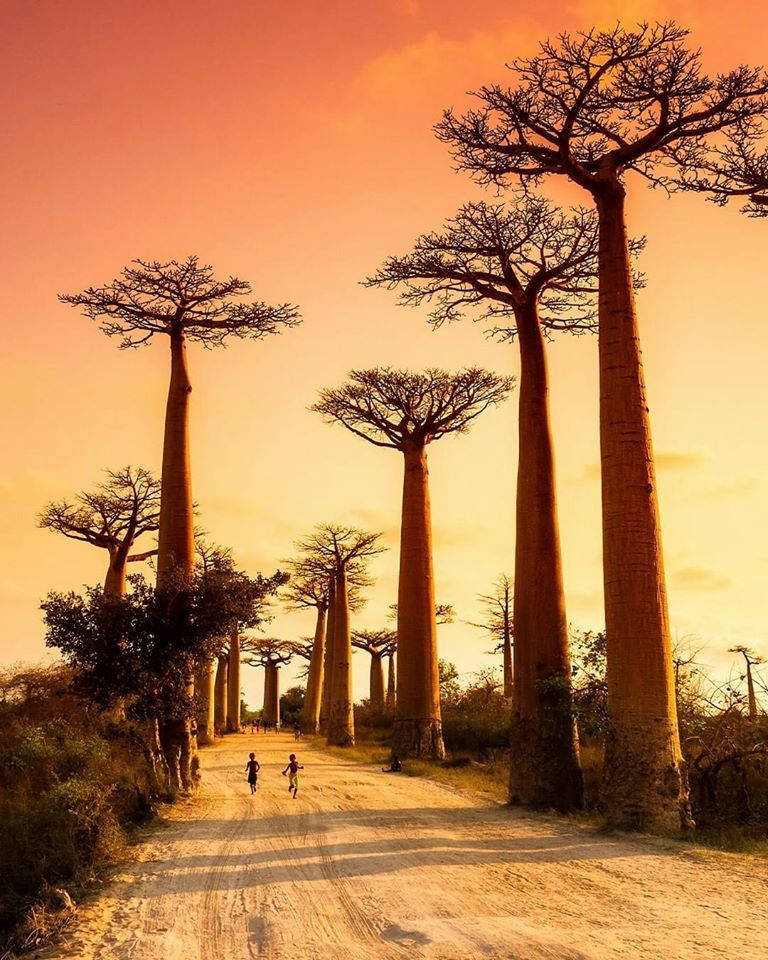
{"type": "Point", "coordinates": [290, 143]}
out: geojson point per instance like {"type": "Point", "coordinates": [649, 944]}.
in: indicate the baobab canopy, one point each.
{"type": "Point", "coordinates": [151, 297]}
{"type": "Point", "coordinates": [397, 408]}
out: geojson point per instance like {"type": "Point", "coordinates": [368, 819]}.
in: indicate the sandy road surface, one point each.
{"type": "Point", "coordinates": [368, 866]}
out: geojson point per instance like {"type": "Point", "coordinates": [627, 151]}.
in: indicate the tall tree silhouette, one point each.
{"type": "Point", "coordinates": [342, 553]}
{"type": "Point", "coordinates": [594, 107]}
{"type": "Point", "coordinates": [184, 301]}
{"type": "Point", "coordinates": [528, 270]}
{"type": "Point", "coordinates": [377, 644]}
{"type": "Point", "coordinates": [407, 411]}
{"type": "Point", "coordinates": [113, 517]}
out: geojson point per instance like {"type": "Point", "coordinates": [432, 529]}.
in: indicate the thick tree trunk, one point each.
{"type": "Point", "coordinates": [377, 685]}
{"type": "Point", "coordinates": [220, 695]}
{"type": "Point", "coordinates": [327, 689]}
{"type": "Point", "coordinates": [271, 710]}
{"type": "Point", "coordinates": [545, 770]}
{"type": "Point", "coordinates": [341, 722]}
{"type": "Point", "coordinates": [233, 684]}
{"type": "Point", "coordinates": [161, 776]}
{"type": "Point", "coordinates": [176, 539]}
{"type": "Point", "coordinates": [312, 701]}
{"type": "Point", "coordinates": [115, 581]}
{"type": "Point", "coordinates": [645, 781]}
{"type": "Point", "coordinates": [418, 724]}
{"type": "Point", "coordinates": [506, 650]}
{"type": "Point", "coordinates": [391, 688]}
{"type": "Point", "coordinates": [204, 684]}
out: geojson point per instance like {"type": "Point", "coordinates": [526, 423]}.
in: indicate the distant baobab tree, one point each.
{"type": "Point", "coordinates": [750, 660]}
{"type": "Point", "coordinates": [377, 644]}
{"type": "Point", "coordinates": [406, 411]}
{"type": "Point", "coordinates": [309, 589]}
{"type": "Point", "coordinates": [113, 517]}
{"type": "Point", "coordinates": [270, 653]}
{"type": "Point", "coordinates": [529, 270]}
{"type": "Point", "coordinates": [184, 301]}
{"type": "Point", "coordinates": [342, 553]}
{"type": "Point", "coordinates": [498, 622]}
{"type": "Point", "coordinates": [594, 108]}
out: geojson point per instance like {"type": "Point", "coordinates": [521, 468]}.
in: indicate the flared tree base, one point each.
{"type": "Point", "coordinates": [645, 781]}
{"type": "Point", "coordinates": [418, 738]}
{"type": "Point", "coordinates": [180, 750]}
{"type": "Point", "coordinates": [545, 771]}
{"type": "Point", "coordinates": [341, 725]}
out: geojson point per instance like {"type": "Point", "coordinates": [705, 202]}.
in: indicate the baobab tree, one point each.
{"type": "Point", "coordinates": [407, 411]}
{"type": "Point", "coordinates": [272, 654]}
{"type": "Point", "coordinates": [497, 620]}
{"type": "Point", "coordinates": [113, 517]}
{"type": "Point", "coordinates": [377, 644]}
{"type": "Point", "coordinates": [184, 301]}
{"type": "Point", "coordinates": [309, 589]}
{"type": "Point", "coordinates": [596, 107]}
{"type": "Point", "coordinates": [342, 553]}
{"type": "Point", "coordinates": [750, 660]}
{"type": "Point", "coordinates": [529, 270]}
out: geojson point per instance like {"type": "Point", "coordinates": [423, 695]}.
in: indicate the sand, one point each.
{"type": "Point", "coordinates": [367, 865]}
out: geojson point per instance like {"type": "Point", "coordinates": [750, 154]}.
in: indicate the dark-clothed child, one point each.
{"type": "Point", "coordinates": [252, 768]}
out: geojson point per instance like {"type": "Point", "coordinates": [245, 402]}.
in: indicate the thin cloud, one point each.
{"type": "Point", "coordinates": [699, 578]}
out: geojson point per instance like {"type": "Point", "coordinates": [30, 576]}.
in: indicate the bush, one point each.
{"type": "Point", "coordinates": [71, 784]}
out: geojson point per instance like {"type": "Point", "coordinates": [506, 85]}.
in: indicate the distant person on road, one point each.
{"type": "Point", "coordinates": [297, 732]}
{"type": "Point", "coordinates": [293, 777]}
{"type": "Point", "coordinates": [394, 766]}
{"type": "Point", "coordinates": [252, 768]}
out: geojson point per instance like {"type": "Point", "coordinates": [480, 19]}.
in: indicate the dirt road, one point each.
{"type": "Point", "coordinates": [366, 866]}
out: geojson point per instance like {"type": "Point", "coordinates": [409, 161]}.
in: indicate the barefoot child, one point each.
{"type": "Point", "coordinates": [293, 780]}
{"type": "Point", "coordinates": [252, 768]}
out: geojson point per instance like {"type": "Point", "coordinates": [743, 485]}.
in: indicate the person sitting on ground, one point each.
{"type": "Point", "coordinates": [293, 780]}
{"type": "Point", "coordinates": [394, 765]}
{"type": "Point", "coordinates": [252, 768]}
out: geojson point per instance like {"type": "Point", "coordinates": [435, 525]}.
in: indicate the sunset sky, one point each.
{"type": "Point", "coordinates": [290, 143]}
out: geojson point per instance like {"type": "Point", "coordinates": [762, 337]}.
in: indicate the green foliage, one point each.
{"type": "Point", "coordinates": [291, 705]}
{"type": "Point", "coordinates": [70, 784]}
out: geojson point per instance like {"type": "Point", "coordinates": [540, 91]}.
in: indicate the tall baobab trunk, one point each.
{"type": "Point", "coordinates": [506, 651]}
{"type": "Point", "coordinates": [391, 688]}
{"type": "Point", "coordinates": [271, 710]}
{"type": "Point", "coordinates": [341, 722]}
{"type": "Point", "coordinates": [645, 781]}
{"type": "Point", "coordinates": [377, 684]}
{"type": "Point", "coordinates": [544, 770]}
{"type": "Point", "coordinates": [233, 684]}
{"type": "Point", "coordinates": [205, 684]}
{"type": "Point", "coordinates": [418, 724]}
{"type": "Point", "coordinates": [220, 694]}
{"type": "Point", "coordinates": [327, 687]}
{"type": "Point", "coordinates": [176, 546]}
{"type": "Point", "coordinates": [312, 701]}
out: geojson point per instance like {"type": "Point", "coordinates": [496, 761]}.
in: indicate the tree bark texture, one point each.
{"type": "Point", "coordinates": [325, 696]}
{"type": "Point", "coordinates": [341, 722]}
{"type": "Point", "coordinates": [233, 684]}
{"type": "Point", "coordinates": [418, 723]}
{"type": "Point", "coordinates": [204, 684]}
{"type": "Point", "coordinates": [544, 771]}
{"type": "Point", "coordinates": [220, 694]}
{"type": "Point", "coordinates": [377, 684]}
{"type": "Point", "coordinates": [312, 701]}
{"type": "Point", "coordinates": [645, 779]}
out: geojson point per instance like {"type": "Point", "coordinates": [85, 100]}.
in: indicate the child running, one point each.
{"type": "Point", "coordinates": [252, 768]}
{"type": "Point", "coordinates": [293, 780]}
